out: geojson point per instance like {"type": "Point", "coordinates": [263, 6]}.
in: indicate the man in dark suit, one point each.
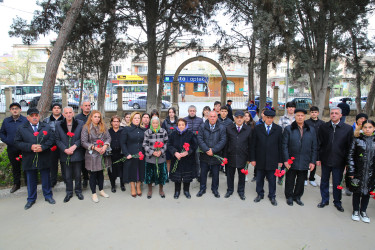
{"type": "Point", "coordinates": [335, 138]}
{"type": "Point", "coordinates": [211, 140]}
{"type": "Point", "coordinates": [35, 140]}
{"type": "Point", "coordinates": [7, 134]}
{"type": "Point", "coordinates": [230, 111]}
{"type": "Point", "coordinates": [70, 146]}
{"type": "Point", "coordinates": [237, 152]}
{"type": "Point", "coordinates": [266, 155]}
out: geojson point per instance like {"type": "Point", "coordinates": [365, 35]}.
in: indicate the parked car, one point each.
{"type": "Point", "coordinates": [56, 99]}
{"type": "Point", "coordinates": [333, 102]}
{"type": "Point", "coordinates": [140, 103]}
{"type": "Point", "coordinates": [302, 102]}
{"type": "Point", "coordinates": [268, 100]}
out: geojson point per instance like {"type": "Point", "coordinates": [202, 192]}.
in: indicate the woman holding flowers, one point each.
{"type": "Point", "coordinates": [361, 169]}
{"type": "Point", "coordinates": [95, 139]}
{"type": "Point", "coordinates": [131, 146]}
{"type": "Point", "coordinates": [170, 125]}
{"type": "Point", "coordinates": [182, 144]}
{"type": "Point", "coordinates": [155, 145]}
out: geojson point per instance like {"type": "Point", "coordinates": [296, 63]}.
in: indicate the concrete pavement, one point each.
{"type": "Point", "coordinates": [123, 222]}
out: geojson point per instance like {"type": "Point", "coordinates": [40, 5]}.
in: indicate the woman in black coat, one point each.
{"type": "Point", "coordinates": [361, 169]}
{"type": "Point", "coordinates": [170, 125]}
{"type": "Point", "coordinates": [131, 144]}
{"type": "Point", "coordinates": [116, 169]}
{"type": "Point", "coordinates": [185, 171]}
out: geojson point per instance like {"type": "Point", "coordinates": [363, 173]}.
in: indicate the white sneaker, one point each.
{"type": "Point", "coordinates": [102, 193]}
{"type": "Point", "coordinates": [305, 183]}
{"type": "Point", "coordinates": [246, 178]}
{"type": "Point", "coordinates": [364, 217]}
{"type": "Point", "coordinates": [95, 198]}
{"type": "Point", "coordinates": [355, 216]}
{"type": "Point", "coordinates": [313, 183]}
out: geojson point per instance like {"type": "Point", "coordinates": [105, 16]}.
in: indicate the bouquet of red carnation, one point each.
{"type": "Point", "coordinates": [186, 148]}
{"type": "Point", "coordinates": [373, 194]}
{"type": "Point", "coordinates": [100, 144]}
{"type": "Point", "coordinates": [223, 160]}
{"type": "Point", "coordinates": [36, 157]}
{"type": "Point", "coordinates": [70, 135]}
{"type": "Point", "coordinates": [158, 145]}
{"type": "Point", "coordinates": [281, 173]}
{"type": "Point", "coordinates": [19, 158]}
{"type": "Point", "coordinates": [245, 170]}
{"type": "Point", "coordinates": [140, 156]}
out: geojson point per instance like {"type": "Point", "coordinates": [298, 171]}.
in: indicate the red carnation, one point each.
{"type": "Point", "coordinates": [100, 143]}
{"type": "Point", "coordinates": [290, 161]}
{"type": "Point", "coordinates": [277, 173]}
{"type": "Point", "coordinates": [45, 133]}
{"type": "Point", "coordinates": [36, 133]}
{"type": "Point", "coordinates": [141, 155]}
{"type": "Point", "coordinates": [196, 132]}
{"type": "Point", "coordinates": [292, 158]}
{"type": "Point", "coordinates": [17, 158]}
{"type": "Point", "coordinates": [340, 187]}
{"type": "Point", "coordinates": [70, 134]}
{"type": "Point", "coordinates": [20, 156]}
{"type": "Point", "coordinates": [282, 173]}
{"type": "Point", "coordinates": [372, 193]}
{"type": "Point", "coordinates": [186, 146]}
{"type": "Point", "coordinates": [53, 148]}
{"type": "Point", "coordinates": [171, 128]}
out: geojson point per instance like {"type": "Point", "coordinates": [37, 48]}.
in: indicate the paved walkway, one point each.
{"type": "Point", "coordinates": [123, 222]}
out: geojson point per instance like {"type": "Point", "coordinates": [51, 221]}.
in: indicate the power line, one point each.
{"type": "Point", "coordinates": [2, 5]}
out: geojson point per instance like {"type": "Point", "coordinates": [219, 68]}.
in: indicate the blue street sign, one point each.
{"type": "Point", "coordinates": [198, 79]}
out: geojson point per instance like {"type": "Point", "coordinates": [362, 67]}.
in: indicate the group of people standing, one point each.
{"type": "Point", "coordinates": [140, 149]}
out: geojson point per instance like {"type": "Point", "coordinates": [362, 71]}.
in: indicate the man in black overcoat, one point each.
{"type": "Point", "coordinates": [237, 151]}
{"type": "Point", "coordinates": [35, 140]}
{"type": "Point", "coordinates": [266, 155]}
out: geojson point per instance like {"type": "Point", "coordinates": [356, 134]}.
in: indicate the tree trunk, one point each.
{"type": "Point", "coordinates": [55, 57]}
{"type": "Point", "coordinates": [370, 98]}
{"type": "Point", "coordinates": [82, 70]}
{"type": "Point", "coordinates": [357, 69]}
{"type": "Point", "coordinates": [151, 8]}
{"type": "Point", "coordinates": [251, 70]}
{"type": "Point", "coordinates": [263, 75]}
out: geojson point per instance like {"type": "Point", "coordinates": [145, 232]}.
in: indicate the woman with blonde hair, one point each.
{"type": "Point", "coordinates": [96, 140]}
{"type": "Point", "coordinates": [131, 144]}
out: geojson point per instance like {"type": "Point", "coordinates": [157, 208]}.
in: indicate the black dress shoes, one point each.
{"type": "Point", "coordinates": [84, 183]}
{"type": "Point", "coordinates": [228, 194]}
{"type": "Point", "coordinates": [50, 200]}
{"type": "Point", "coordinates": [113, 189]}
{"type": "Point", "coordinates": [322, 204]}
{"type": "Point", "coordinates": [80, 196]}
{"type": "Point", "coordinates": [258, 198]}
{"type": "Point", "coordinates": [29, 204]}
{"type": "Point", "coordinates": [289, 201]}
{"type": "Point", "coordinates": [67, 198]}
{"type": "Point", "coordinates": [123, 188]}
{"type": "Point", "coordinates": [299, 202]}
{"type": "Point", "coordinates": [187, 194]}
{"type": "Point", "coordinates": [242, 196]}
{"type": "Point", "coordinates": [14, 188]}
{"type": "Point", "coordinates": [176, 195]}
{"type": "Point", "coordinates": [339, 208]}
{"type": "Point", "coordinates": [200, 193]}
{"type": "Point", "coordinates": [273, 201]}
{"type": "Point", "coordinates": [216, 194]}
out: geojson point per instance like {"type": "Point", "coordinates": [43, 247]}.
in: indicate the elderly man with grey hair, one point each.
{"type": "Point", "coordinates": [193, 124]}
{"type": "Point", "coordinates": [68, 140]}
{"type": "Point", "coordinates": [334, 140]}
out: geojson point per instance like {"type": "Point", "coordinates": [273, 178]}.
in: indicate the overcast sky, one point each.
{"type": "Point", "coordinates": [9, 9]}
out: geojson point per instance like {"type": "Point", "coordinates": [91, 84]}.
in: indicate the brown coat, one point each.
{"type": "Point", "coordinates": [93, 160]}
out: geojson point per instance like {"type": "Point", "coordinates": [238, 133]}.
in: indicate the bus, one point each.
{"type": "Point", "coordinates": [129, 92]}
{"type": "Point", "coordinates": [23, 94]}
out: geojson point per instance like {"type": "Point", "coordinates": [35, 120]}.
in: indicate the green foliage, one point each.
{"type": "Point", "coordinates": [6, 177]}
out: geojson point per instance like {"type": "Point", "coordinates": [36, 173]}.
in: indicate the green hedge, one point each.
{"type": "Point", "coordinates": [6, 176]}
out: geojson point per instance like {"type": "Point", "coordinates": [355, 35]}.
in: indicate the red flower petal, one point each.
{"type": "Point", "coordinates": [292, 158]}
{"type": "Point", "coordinates": [20, 156]}
{"type": "Point", "coordinates": [171, 128]}
{"type": "Point", "coordinates": [53, 148]}
{"type": "Point", "coordinates": [36, 133]}
{"type": "Point", "coordinates": [45, 132]}
{"type": "Point", "coordinates": [339, 187]}
{"type": "Point", "coordinates": [290, 161]}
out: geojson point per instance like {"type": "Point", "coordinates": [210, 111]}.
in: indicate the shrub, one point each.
{"type": "Point", "coordinates": [6, 176]}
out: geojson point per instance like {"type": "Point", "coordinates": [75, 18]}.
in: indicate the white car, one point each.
{"type": "Point", "coordinates": [333, 102]}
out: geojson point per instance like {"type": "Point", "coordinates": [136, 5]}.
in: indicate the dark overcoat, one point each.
{"type": "Point", "coordinates": [237, 148]}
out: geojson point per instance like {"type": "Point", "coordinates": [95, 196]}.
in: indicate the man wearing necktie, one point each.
{"type": "Point", "coordinates": [266, 155]}
{"type": "Point", "coordinates": [35, 140]}
{"type": "Point", "coordinates": [237, 151]}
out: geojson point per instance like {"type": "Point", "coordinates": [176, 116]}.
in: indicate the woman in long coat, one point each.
{"type": "Point", "coordinates": [116, 169]}
{"type": "Point", "coordinates": [131, 144]}
{"type": "Point", "coordinates": [156, 167]}
{"type": "Point", "coordinates": [186, 170]}
{"type": "Point", "coordinates": [362, 169]}
{"type": "Point", "coordinates": [170, 125]}
{"type": "Point", "coordinates": [93, 132]}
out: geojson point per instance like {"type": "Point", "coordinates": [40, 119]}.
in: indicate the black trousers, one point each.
{"type": "Point", "coordinates": [73, 170]}
{"type": "Point", "coordinates": [360, 199]}
{"type": "Point", "coordinates": [16, 166]}
{"type": "Point", "coordinates": [231, 171]}
{"type": "Point", "coordinates": [85, 172]}
{"type": "Point", "coordinates": [54, 167]}
{"type": "Point", "coordinates": [197, 162]}
{"type": "Point", "coordinates": [177, 186]}
{"type": "Point", "coordinates": [295, 183]}
{"type": "Point", "coordinates": [311, 177]}
{"type": "Point", "coordinates": [215, 176]}
{"type": "Point", "coordinates": [270, 175]}
{"type": "Point", "coordinates": [96, 177]}
{"type": "Point", "coordinates": [113, 177]}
